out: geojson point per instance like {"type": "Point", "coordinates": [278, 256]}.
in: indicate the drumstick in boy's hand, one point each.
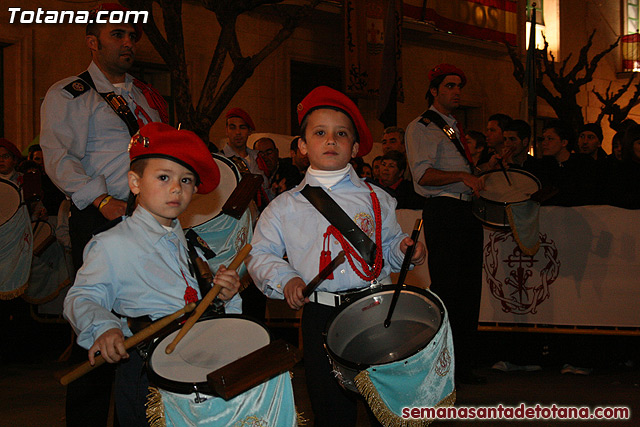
{"type": "Point", "coordinates": [130, 342]}
{"type": "Point", "coordinates": [208, 299]}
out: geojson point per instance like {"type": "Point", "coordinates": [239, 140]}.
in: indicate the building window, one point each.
{"type": "Point", "coordinates": [631, 38]}
{"type": "Point", "coordinates": [540, 27]}
{"type": "Point", "coordinates": [632, 16]}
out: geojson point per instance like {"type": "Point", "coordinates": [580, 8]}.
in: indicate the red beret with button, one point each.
{"type": "Point", "coordinates": [11, 147]}
{"type": "Point", "coordinates": [446, 70]}
{"type": "Point", "coordinates": [324, 96]}
{"type": "Point", "coordinates": [239, 112]}
{"type": "Point", "coordinates": [159, 140]}
{"type": "Point", "coordinates": [109, 7]}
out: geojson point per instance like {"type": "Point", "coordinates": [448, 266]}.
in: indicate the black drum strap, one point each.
{"type": "Point", "coordinates": [340, 220]}
{"type": "Point", "coordinates": [117, 103]}
{"type": "Point", "coordinates": [431, 116]}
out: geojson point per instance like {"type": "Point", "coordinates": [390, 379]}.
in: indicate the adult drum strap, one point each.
{"type": "Point", "coordinates": [340, 220]}
{"type": "Point", "coordinates": [431, 116]}
{"type": "Point", "coordinates": [117, 103]}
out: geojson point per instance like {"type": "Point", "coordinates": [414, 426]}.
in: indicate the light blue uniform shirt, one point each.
{"type": "Point", "coordinates": [85, 143]}
{"type": "Point", "coordinates": [291, 224]}
{"type": "Point", "coordinates": [136, 269]}
{"type": "Point", "coordinates": [428, 147]}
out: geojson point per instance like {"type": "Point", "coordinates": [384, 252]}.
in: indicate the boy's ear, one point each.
{"type": "Point", "coordinates": [302, 146]}
{"type": "Point", "coordinates": [134, 182]}
{"type": "Point", "coordinates": [355, 149]}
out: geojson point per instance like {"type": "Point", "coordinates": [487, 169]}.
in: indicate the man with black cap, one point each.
{"type": "Point", "coordinates": [441, 167]}
{"type": "Point", "coordinates": [87, 122]}
{"type": "Point", "coordinates": [590, 141]}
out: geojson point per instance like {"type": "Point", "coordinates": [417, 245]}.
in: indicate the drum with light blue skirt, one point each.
{"type": "Point", "coordinates": [409, 364]}
{"type": "Point", "coordinates": [224, 234]}
{"type": "Point", "coordinates": [183, 396]}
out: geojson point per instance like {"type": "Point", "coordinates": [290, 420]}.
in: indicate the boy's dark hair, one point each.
{"type": "Point", "coordinates": [303, 124]}
{"type": "Point", "coordinates": [564, 131]}
{"type": "Point", "coordinates": [397, 157]}
{"type": "Point", "coordinates": [376, 159]}
{"type": "Point", "coordinates": [520, 127]}
{"type": "Point", "coordinates": [502, 120]}
{"type": "Point", "coordinates": [294, 144]}
{"type": "Point", "coordinates": [138, 166]}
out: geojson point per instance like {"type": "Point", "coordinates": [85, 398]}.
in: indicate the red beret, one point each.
{"type": "Point", "coordinates": [181, 146]}
{"type": "Point", "coordinates": [113, 7]}
{"type": "Point", "coordinates": [324, 96]}
{"type": "Point", "coordinates": [11, 147]}
{"type": "Point", "coordinates": [445, 70]}
{"type": "Point", "coordinates": [239, 112]}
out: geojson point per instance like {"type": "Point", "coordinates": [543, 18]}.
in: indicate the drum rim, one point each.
{"type": "Point", "coordinates": [238, 176]}
{"type": "Point", "coordinates": [372, 291]}
{"type": "Point", "coordinates": [520, 171]}
{"type": "Point", "coordinates": [15, 187]}
{"type": "Point", "coordinates": [180, 387]}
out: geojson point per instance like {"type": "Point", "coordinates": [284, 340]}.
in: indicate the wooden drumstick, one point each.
{"type": "Point", "coordinates": [130, 342]}
{"type": "Point", "coordinates": [208, 299]}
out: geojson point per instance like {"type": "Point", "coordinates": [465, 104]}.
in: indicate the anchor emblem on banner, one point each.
{"type": "Point", "coordinates": [519, 281]}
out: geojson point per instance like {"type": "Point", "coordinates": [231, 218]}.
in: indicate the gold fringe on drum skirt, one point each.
{"type": "Point", "coordinates": [383, 413]}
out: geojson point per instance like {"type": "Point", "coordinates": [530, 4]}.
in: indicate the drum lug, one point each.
{"type": "Point", "coordinates": [198, 398]}
{"type": "Point", "coordinates": [375, 284]}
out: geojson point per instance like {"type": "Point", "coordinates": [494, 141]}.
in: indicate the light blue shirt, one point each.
{"type": "Point", "coordinates": [428, 147]}
{"type": "Point", "coordinates": [251, 161]}
{"type": "Point", "coordinates": [137, 268]}
{"type": "Point", "coordinates": [85, 143]}
{"type": "Point", "coordinates": [291, 225]}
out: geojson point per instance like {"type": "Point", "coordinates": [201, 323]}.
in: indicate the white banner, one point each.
{"type": "Point", "coordinates": [586, 273]}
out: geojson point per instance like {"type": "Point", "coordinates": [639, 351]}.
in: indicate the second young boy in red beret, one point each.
{"type": "Point", "coordinates": [332, 132]}
{"type": "Point", "coordinates": [141, 267]}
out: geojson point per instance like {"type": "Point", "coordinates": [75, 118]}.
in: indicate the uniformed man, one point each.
{"type": "Point", "coordinates": [87, 123]}
{"type": "Point", "coordinates": [441, 166]}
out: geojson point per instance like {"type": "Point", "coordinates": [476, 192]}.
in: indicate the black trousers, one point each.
{"type": "Point", "coordinates": [332, 405]}
{"type": "Point", "coordinates": [82, 225]}
{"type": "Point", "coordinates": [131, 390]}
{"type": "Point", "coordinates": [454, 239]}
{"type": "Point", "coordinates": [88, 397]}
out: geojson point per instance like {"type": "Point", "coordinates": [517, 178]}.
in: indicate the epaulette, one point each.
{"type": "Point", "coordinates": [108, 225]}
{"type": "Point", "coordinates": [77, 88]}
{"type": "Point", "coordinates": [424, 120]}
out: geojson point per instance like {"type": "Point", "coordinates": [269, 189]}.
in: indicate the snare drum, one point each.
{"type": "Point", "coordinates": [213, 343]}
{"type": "Point", "coordinates": [43, 236]}
{"type": "Point", "coordinates": [205, 207]}
{"type": "Point", "coordinates": [11, 200]}
{"type": "Point", "coordinates": [490, 206]}
{"type": "Point", "coordinates": [411, 363]}
{"type": "Point", "coordinates": [224, 234]}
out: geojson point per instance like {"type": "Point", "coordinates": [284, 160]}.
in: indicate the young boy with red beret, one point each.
{"type": "Point", "coordinates": [332, 132]}
{"type": "Point", "coordinates": [141, 266]}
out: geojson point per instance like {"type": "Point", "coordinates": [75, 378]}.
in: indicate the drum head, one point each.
{"type": "Point", "coordinates": [209, 345]}
{"type": "Point", "coordinates": [497, 189]}
{"type": "Point", "coordinates": [204, 207]}
{"type": "Point", "coordinates": [11, 199]}
{"type": "Point", "coordinates": [356, 336]}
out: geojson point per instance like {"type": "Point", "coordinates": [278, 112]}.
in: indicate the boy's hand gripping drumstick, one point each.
{"type": "Point", "coordinates": [130, 342]}
{"type": "Point", "coordinates": [204, 303]}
